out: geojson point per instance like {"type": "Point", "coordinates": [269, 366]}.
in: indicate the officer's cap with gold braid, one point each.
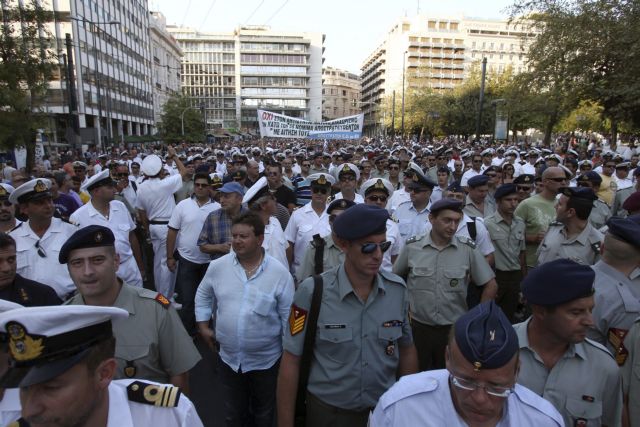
{"type": "Point", "coordinates": [45, 342]}
{"type": "Point", "coordinates": [92, 236]}
{"type": "Point", "coordinates": [346, 168]}
{"type": "Point", "coordinates": [321, 179]}
{"type": "Point", "coordinates": [376, 184]}
{"type": "Point", "coordinates": [31, 190]}
{"type": "Point", "coordinates": [5, 191]}
{"type": "Point", "coordinates": [485, 336]}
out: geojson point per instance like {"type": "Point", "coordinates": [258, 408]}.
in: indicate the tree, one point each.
{"type": "Point", "coordinates": [178, 109]}
{"type": "Point", "coordinates": [27, 63]}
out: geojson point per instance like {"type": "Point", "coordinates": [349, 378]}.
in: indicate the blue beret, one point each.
{"type": "Point", "coordinates": [505, 190]}
{"type": "Point", "coordinates": [625, 229]}
{"type": "Point", "coordinates": [455, 187]}
{"type": "Point", "coordinates": [341, 204]}
{"type": "Point", "coordinates": [557, 282]}
{"type": "Point", "coordinates": [591, 176]}
{"type": "Point", "coordinates": [584, 193]}
{"type": "Point", "coordinates": [232, 187]}
{"type": "Point", "coordinates": [524, 179]}
{"type": "Point", "coordinates": [361, 221]}
{"type": "Point", "coordinates": [485, 336]}
{"type": "Point", "coordinates": [445, 203]}
{"type": "Point", "coordinates": [92, 236]}
{"type": "Point", "coordinates": [477, 181]}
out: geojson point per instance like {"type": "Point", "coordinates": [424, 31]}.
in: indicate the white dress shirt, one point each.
{"type": "Point", "coordinates": [188, 218]}
{"type": "Point", "coordinates": [303, 225]}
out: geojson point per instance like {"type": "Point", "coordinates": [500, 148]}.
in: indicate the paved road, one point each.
{"type": "Point", "coordinates": [205, 389]}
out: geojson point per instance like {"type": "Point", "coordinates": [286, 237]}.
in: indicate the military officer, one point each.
{"type": "Point", "coordinates": [507, 235]}
{"type": "Point", "coordinates": [477, 203]}
{"type": "Point", "coordinates": [9, 398]}
{"type": "Point", "coordinates": [438, 268]}
{"type": "Point", "coordinates": [571, 235]}
{"type": "Point", "coordinates": [363, 338]}
{"type": "Point", "coordinates": [600, 212]}
{"type": "Point", "coordinates": [477, 388]}
{"type": "Point", "coordinates": [332, 255]}
{"type": "Point", "coordinates": [376, 192]}
{"type": "Point", "coordinates": [402, 195]}
{"type": "Point", "coordinates": [617, 299]}
{"type": "Point", "coordinates": [151, 343]}
{"type": "Point", "coordinates": [39, 239]}
{"type": "Point", "coordinates": [577, 375]}
{"type": "Point", "coordinates": [348, 176]}
{"type": "Point", "coordinates": [62, 359]}
{"type": "Point", "coordinates": [524, 185]}
{"type": "Point", "coordinates": [412, 216]}
{"type": "Point", "coordinates": [102, 209]}
{"type": "Point", "coordinates": [622, 195]}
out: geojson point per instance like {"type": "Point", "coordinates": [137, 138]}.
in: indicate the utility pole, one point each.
{"type": "Point", "coordinates": [393, 116]}
{"type": "Point", "coordinates": [481, 101]}
{"type": "Point", "coordinates": [71, 88]}
{"type": "Point", "coordinates": [404, 55]}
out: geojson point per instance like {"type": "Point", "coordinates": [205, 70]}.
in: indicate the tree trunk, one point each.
{"type": "Point", "coordinates": [614, 132]}
{"type": "Point", "coordinates": [551, 122]}
{"type": "Point", "coordinates": [31, 152]}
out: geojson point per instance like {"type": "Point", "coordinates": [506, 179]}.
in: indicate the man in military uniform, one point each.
{"type": "Point", "coordinates": [412, 216]}
{"type": "Point", "coordinates": [39, 239]}
{"type": "Point", "coordinates": [507, 235]}
{"type": "Point", "coordinates": [477, 388]}
{"type": "Point", "coordinates": [577, 375]}
{"type": "Point", "coordinates": [476, 204]}
{"type": "Point", "coordinates": [600, 212]}
{"type": "Point", "coordinates": [348, 177]}
{"type": "Point", "coordinates": [151, 343]}
{"type": "Point", "coordinates": [630, 377]}
{"type": "Point", "coordinates": [571, 235]}
{"type": "Point", "coordinates": [323, 254]}
{"type": "Point", "coordinates": [622, 195]}
{"type": "Point", "coordinates": [363, 339]}
{"type": "Point", "coordinates": [62, 359]}
{"type": "Point", "coordinates": [438, 268]}
{"type": "Point", "coordinates": [617, 298]}
{"type": "Point", "coordinates": [524, 185]}
{"type": "Point", "coordinates": [16, 288]}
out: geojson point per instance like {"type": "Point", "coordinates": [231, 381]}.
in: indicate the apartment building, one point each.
{"type": "Point", "coordinates": [340, 93]}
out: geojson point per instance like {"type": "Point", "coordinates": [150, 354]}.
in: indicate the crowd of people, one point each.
{"type": "Point", "coordinates": [337, 283]}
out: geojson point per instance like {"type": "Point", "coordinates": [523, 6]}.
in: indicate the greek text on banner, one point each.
{"type": "Point", "coordinates": [274, 125]}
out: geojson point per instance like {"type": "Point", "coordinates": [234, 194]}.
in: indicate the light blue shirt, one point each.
{"type": "Point", "coordinates": [251, 314]}
{"type": "Point", "coordinates": [410, 221]}
{"type": "Point", "coordinates": [424, 399]}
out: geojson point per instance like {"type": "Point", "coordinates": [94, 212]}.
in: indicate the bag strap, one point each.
{"type": "Point", "coordinates": [309, 342]}
{"type": "Point", "coordinates": [471, 226]}
{"type": "Point", "coordinates": [318, 243]}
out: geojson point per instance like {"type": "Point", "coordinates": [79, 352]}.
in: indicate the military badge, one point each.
{"type": "Point", "coordinates": [39, 187]}
{"type": "Point", "coordinates": [162, 300]}
{"type": "Point", "coordinates": [390, 349]}
{"type": "Point", "coordinates": [322, 180]}
{"type": "Point", "coordinates": [453, 283]}
{"type": "Point", "coordinates": [616, 339]}
{"type": "Point", "coordinates": [297, 319]}
{"type": "Point", "coordinates": [22, 346]}
{"type": "Point", "coordinates": [130, 370]}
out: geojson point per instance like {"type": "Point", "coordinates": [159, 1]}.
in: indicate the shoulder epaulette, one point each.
{"type": "Point", "coordinates": [596, 247]}
{"type": "Point", "coordinates": [412, 239]}
{"type": "Point", "coordinates": [162, 300]}
{"type": "Point", "coordinates": [556, 224]}
{"type": "Point", "coordinates": [161, 395]}
{"type": "Point", "coordinates": [599, 347]}
{"type": "Point", "coordinates": [467, 241]}
{"type": "Point", "coordinates": [331, 198]}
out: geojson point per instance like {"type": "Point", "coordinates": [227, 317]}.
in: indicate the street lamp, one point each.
{"type": "Point", "coordinates": [404, 56]}
{"type": "Point", "coordinates": [97, 73]}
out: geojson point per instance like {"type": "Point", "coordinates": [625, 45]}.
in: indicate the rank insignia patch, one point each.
{"type": "Point", "coordinates": [616, 339]}
{"type": "Point", "coordinates": [297, 319]}
{"type": "Point", "coordinates": [162, 300]}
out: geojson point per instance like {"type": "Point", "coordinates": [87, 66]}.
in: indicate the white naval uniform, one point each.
{"type": "Point", "coordinates": [126, 413]}
{"type": "Point", "coordinates": [10, 409]}
{"type": "Point", "coordinates": [120, 223]}
{"type": "Point", "coordinates": [397, 198]}
{"type": "Point", "coordinates": [303, 225]}
{"type": "Point", "coordinates": [155, 197]}
{"type": "Point", "coordinates": [47, 269]}
{"type": "Point", "coordinates": [357, 199]}
{"type": "Point", "coordinates": [393, 236]}
{"type": "Point", "coordinates": [424, 399]}
{"type": "Point", "coordinates": [275, 243]}
{"type": "Point", "coordinates": [468, 175]}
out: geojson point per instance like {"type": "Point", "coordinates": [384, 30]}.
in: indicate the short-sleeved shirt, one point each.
{"type": "Point", "coordinates": [411, 222]}
{"type": "Point", "coordinates": [155, 197]}
{"type": "Point", "coordinates": [217, 229]}
{"type": "Point", "coordinates": [437, 279]}
{"type": "Point", "coordinates": [584, 385]}
{"type": "Point", "coordinates": [188, 218]}
{"type": "Point", "coordinates": [151, 343]}
{"type": "Point", "coordinates": [599, 215]}
{"type": "Point", "coordinates": [631, 373]}
{"type": "Point", "coordinates": [471, 209]}
{"type": "Point", "coordinates": [424, 400]}
{"type": "Point", "coordinates": [583, 248]}
{"type": "Point", "coordinates": [332, 256]}
{"type": "Point", "coordinates": [303, 225]}
{"type": "Point", "coordinates": [356, 354]}
{"type": "Point", "coordinates": [615, 310]}
{"type": "Point", "coordinates": [507, 239]}
{"type": "Point", "coordinates": [303, 190]}
{"type": "Point", "coordinates": [537, 213]}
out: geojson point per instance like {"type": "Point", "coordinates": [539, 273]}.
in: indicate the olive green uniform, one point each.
{"type": "Point", "coordinates": [583, 248]}
{"type": "Point", "coordinates": [332, 256]}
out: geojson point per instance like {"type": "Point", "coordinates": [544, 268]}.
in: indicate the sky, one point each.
{"type": "Point", "coordinates": [353, 28]}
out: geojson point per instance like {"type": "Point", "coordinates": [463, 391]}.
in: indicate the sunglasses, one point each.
{"type": "Point", "coordinates": [491, 175]}
{"type": "Point", "coordinates": [377, 198]}
{"type": "Point", "coordinates": [40, 250]}
{"type": "Point", "coordinates": [523, 188]}
{"type": "Point", "coordinates": [347, 178]}
{"type": "Point", "coordinates": [584, 184]}
{"type": "Point", "coordinates": [557, 179]}
{"type": "Point", "coordinates": [369, 248]}
{"type": "Point", "coordinates": [321, 190]}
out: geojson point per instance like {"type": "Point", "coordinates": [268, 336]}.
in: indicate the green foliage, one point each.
{"type": "Point", "coordinates": [170, 126]}
{"type": "Point", "coordinates": [27, 63]}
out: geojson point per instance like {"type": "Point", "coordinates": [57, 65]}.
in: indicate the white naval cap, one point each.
{"type": "Point", "coordinates": [31, 190]}
{"type": "Point", "coordinates": [6, 190]}
{"type": "Point", "coordinates": [6, 305]}
{"type": "Point", "coordinates": [45, 342]}
{"type": "Point", "coordinates": [151, 165]}
{"type": "Point", "coordinates": [374, 184]}
{"type": "Point", "coordinates": [257, 190]}
{"type": "Point", "coordinates": [79, 164]}
{"type": "Point", "coordinates": [321, 179]}
{"type": "Point", "coordinates": [347, 168]}
{"type": "Point", "coordinates": [97, 180]}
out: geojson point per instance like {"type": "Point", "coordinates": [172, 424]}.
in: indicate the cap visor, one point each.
{"type": "Point", "coordinates": [38, 196]}
{"type": "Point", "coordinates": [28, 376]}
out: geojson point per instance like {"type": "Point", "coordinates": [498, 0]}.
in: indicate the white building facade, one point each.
{"type": "Point", "coordinates": [340, 93]}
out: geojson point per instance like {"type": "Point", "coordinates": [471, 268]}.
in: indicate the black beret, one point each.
{"type": "Point", "coordinates": [583, 193]}
{"type": "Point", "coordinates": [421, 180]}
{"type": "Point", "coordinates": [361, 221]}
{"type": "Point", "coordinates": [505, 190]}
{"type": "Point", "coordinates": [444, 203]}
{"type": "Point", "coordinates": [444, 169]}
{"type": "Point", "coordinates": [477, 181]}
{"type": "Point", "coordinates": [455, 187]}
{"type": "Point", "coordinates": [524, 179]}
{"type": "Point", "coordinates": [625, 229]}
{"type": "Point", "coordinates": [341, 204]}
{"type": "Point", "coordinates": [557, 282]}
{"type": "Point", "coordinates": [485, 336]}
{"type": "Point", "coordinates": [92, 236]}
{"type": "Point", "coordinates": [591, 176]}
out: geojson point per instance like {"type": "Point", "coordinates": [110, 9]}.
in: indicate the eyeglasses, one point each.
{"type": "Point", "coordinates": [347, 178]}
{"type": "Point", "coordinates": [523, 188]}
{"type": "Point", "coordinates": [40, 250]}
{"type": "Point", "coordinates": [491, 390]}
{"type": "Point", "coordinates": [369, 248]}
{"type": "Point", "coordinates": [557, 179]}
{"type": "Point", "coordinates": [199, 185]}
{"type": "Point", "coordinates": [321, 190]}
{"type": "Point", "coordinates": [377, 198]}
